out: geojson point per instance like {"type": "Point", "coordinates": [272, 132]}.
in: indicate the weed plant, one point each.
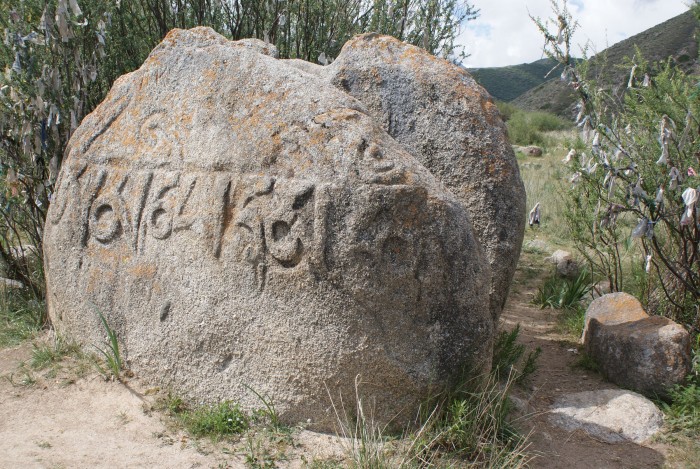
{"type": "Point", "coordinates": [507, 353]}
{"type": "Point", "coordinates": [561, 293]}
{"type": "Point", "coordinates": [21, 317]}
{"type": "Point", "coordinates": [225, 418]}
{"type": "Point", "coordinates": [111, 354]}
{"type": "Point", "coordinates": [466, 426]}
{"type": "Point", "coordinates": [683, 410]}
{"type": "Point", "coordinates": [48, 354]}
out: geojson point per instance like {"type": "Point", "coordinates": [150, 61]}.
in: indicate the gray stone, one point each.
{"type": "Point", "coordinates": [9, 283]}
{"type": "Point", "coordinates": [633, 350]}
{"type": "Point", "coordinates": [242, 224]}
{"type": "Point", "coordinates": [449, 123]}
{"type": "Point", "coordinates": [559, 256]}
{"type": "Point", "coordinates": [568, 268]}
{"type": "Point", "coordinates": [532, 150]}
{"type": "Point", "coordinates": [611, 415]}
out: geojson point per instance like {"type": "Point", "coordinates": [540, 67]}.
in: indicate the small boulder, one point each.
{"type": "Point", "coordinates": [568, 269]}
{"type": "Point", "coordinates": [567, 266]}
{"type": "Point", "coordinates": [611, 415]}
{"type": "Point", "coordinates": [532, 150]}
{"type": "Point", "coordinates": [559, 256]}
{"type": "Point", "coordinates": [634, 350]}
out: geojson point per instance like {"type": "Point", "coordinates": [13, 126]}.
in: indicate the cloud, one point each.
{"type": "Point", "coordinates": [503, 34]}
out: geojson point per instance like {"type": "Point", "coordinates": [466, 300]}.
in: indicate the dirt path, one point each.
{"type": "Point", "coordinates": [556, 376]}
{"type": "Point", "coordinates": [63, 420]}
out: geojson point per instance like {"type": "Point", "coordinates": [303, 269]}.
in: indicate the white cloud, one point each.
{"type": "Point", "coordinates": [503, 34]}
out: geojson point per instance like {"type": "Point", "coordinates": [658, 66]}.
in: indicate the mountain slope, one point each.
{"type": "Point", "coordinates": [528, 87]}
{"type": "Point", "coordinates": [507, 83]}
{"type": "Point", "coordinates": [674, 38]}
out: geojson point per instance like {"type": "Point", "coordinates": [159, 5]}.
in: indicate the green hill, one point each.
{"type": "Point", "coordinates": [526, 86]}
{"type": "Point", "coordinates": [507, 83]}
{"type": "Point", "coordinates": [675, 38]}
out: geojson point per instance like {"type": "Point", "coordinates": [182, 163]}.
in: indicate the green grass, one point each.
{"type": "Point", "coordinates": [21, 317]}
{"type": "Point", "coordinates": [572, 320]}
{"type": "Point", "coordinates": [507, 354]}
{"type": "Point", "coordinates": [561, 293]}
{"type": "Point", "coordinates": [45, 355]}
{"type": "Point", "coordinates": [530, 128]}
{"type": "Point", "coordinates": [111, 354]}
{"type": "Point", "coordinates": [216, 420]}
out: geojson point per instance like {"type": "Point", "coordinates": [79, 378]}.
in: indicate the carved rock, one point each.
{"type": "Point", "coordinates": [633, 350]}
{"type": "Point", "coordinates": [243, 225]}
{"type": "Point", "coordinates": [449, 123]}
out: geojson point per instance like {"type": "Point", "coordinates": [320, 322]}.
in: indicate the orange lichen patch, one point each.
{"type": "Point", "coordinates": [490, 112]}
{"type": "Point", "coordinates": [143, 270]}
{"type": "Point", "coordinates": [617, 309]}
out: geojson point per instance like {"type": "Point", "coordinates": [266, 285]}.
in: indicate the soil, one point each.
{"type": "Point", "coordinates": [557, 375]}
{"type": "Point", "coordinates": [71, 417]}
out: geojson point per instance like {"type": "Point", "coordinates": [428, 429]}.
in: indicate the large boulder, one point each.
{"type": "Point", "coordinates": [438, 112]}
{"type": "Point", "coordinates": [242, 225]}
{"type": "Point", "coordinates": [633, 350]}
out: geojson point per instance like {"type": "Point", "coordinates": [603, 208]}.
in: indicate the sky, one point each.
{"type": "Point", "coordinates": [503, 34]}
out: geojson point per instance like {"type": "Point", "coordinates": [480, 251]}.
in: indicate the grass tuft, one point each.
{"type": "Point", "coordinates": [111, 354]}
{"type": "Point", "coordinates": [507, 353]}
{"type": "Point", "coordinates": [560, 293]}
{"type": "Point", "coordinates": [21, 317]}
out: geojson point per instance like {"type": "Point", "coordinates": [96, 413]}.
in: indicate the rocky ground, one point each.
{"type": "Point", "coordinates": [69, 416]}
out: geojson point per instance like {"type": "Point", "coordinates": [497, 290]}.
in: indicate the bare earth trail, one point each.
{"type": "Point", "coordinates": [62, 421]}
{"type": "Point", "coordinates": [557, 376]}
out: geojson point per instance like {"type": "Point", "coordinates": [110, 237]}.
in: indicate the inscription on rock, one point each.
{"type": "Point", "coordinates": [268, 220]}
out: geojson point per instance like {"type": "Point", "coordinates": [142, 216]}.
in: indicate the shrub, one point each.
{"type": "Point", "coordinates": [561, 293]}
{"type": "Point", "coordinates": [526, 128]}
{"type": "Point", "coordinates": [633, 188]}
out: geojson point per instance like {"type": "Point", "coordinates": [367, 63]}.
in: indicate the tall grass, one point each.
{"type": "Point", "coordinates": [545, 182]}
{"type": "Point", "coordinates": [530, 128]}
{"type": "Point", "coordinates": [21, 316]}
{"type": "Point", "coordinates": [465, 427]}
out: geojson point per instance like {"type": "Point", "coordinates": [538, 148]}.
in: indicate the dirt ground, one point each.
{"type": "Point", "coordinates": [73, 418]}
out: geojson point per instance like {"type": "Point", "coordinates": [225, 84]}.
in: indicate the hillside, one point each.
{"type": "Point", "coordinates": [527, 88]}
{"type": "Point", "coordinates": [507, 83]}
{"type": "Point", "coordinates": [673, 38]}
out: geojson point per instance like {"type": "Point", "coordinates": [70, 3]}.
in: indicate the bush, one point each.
{"type": "Point", "coordinates": [634, 187]}
{"type": "Point", "coordinates": [526, 128]}
{"type": "Point", "coordinates": [563, 293]}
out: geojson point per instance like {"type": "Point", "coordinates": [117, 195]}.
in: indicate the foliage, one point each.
{"type": "Point", "coordinates": [507, 353]}
{"type": "Point", "coordinates": [47, 354]}
{"type": "Point", "coordinates": [674, 37]}
{"type": "Point", "coordinates": [225, 418]}
{"type": "Point", "coordinates": [573, 320]}
{"type": "Point", "coordinates": [642, 146]}
{"type": "Point", "coordinates": [507, 83]}
{"type": "Point", "coordinates": [683, 412]}
{"type": "Point", "coordinates": [472, 423]}
{"type": "Point", "coordinates": [467, 425]}
{"type": "Point", "coordinates": [21, 316]}
{"type": "Point", "coordinates": [111, 354]}
{"type": "Point", "coordinates": [526, 128]}
{"type": "Point", "coordinates": [562, 293]}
